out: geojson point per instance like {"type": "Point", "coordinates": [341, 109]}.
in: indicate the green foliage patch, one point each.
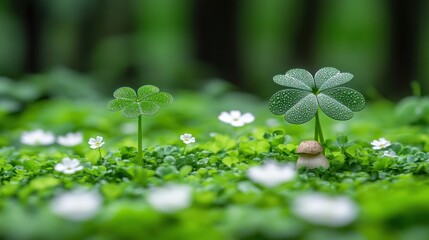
{"type": "Point", "coordinates": [389, 189]}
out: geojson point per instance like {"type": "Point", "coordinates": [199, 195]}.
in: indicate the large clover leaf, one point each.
{"type": "Point", "coordinates": [146, 101]}
{"type": "Point", "coordinates": [305, 94]}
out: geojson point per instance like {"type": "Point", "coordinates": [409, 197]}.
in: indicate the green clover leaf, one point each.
{"type": "Point", "coordinates": [305, 95]}
{"type": "Point", "coordinates": [146, 101]}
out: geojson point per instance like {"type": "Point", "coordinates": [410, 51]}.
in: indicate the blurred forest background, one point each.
{"type": "Point", "coordinates": [187, 44]}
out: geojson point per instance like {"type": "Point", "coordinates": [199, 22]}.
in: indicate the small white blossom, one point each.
{"type": "Point", "coordinates": [70, 139]}
{"type": "Point", "coordinates": [235, 118]}
{"type": "Point", "coordinates": [324, 210]}
{"type": "Point", "coordinates": [187, 138]}
{"type": "Point", "coordinates": [170, 198]}
{"type": "Point", "coordinates": [380, 144]}
{"type": "Point", "coordinates": [271, 173]}
{"type": "Point", "coordinates": [95, 143]}
{"type": "Point", "coordinates": [68, 166]}
{"type": "Point", "coordinates": [77, 205]}
{"type": "Point", "coordinates": [37, 137]}
{"type": "Point", "coordinates": [272, 122]}
{"type": "Point", "coordinates": [389, 153]}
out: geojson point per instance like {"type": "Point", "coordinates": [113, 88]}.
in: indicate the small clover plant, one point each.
{"type": "Point", "coordinates": [147, 101]}
{"type": "Point", "coordinates": [304, 95]}
{"type": "Point", "coordinates": [413, 109]}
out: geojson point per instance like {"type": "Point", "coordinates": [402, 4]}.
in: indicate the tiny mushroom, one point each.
{"type": "Point", "coordinates": [311, 155]}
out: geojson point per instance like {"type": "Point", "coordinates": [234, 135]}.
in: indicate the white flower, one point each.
{"type": "Point", "coordinates": [37, 137]}
{"type": "Point", "coordinates": [170, 198]}
{"type": "Point", "coordinates": [187, 138]}
{"type": "Point", "coordinates": [271, 173]}
{"type": "Point", "coordinates": [70, 139]}
{"type": "Point", "coordinates": [324, 210]}
{"type": "Point", "coordinates": [380, 144]}
{"type": "Point", "coordinates": [389, 153]}
{"type": "Point", "coordinates": [95, 143]}
{"type": "Point", "coordinates": [68, 166]}
{"type": "Point", "coordinates": [272, 122]}
{"type": "Point", "coordinates": [76, 205]}
{"type": "Point", "coordinates": [235, 118]}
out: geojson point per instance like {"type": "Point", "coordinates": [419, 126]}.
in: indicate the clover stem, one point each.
{"type": "Point", "coordinates": [316, 129]}
{"type": "Point", "coordinates": [101, 156]}
{"type": "Point", "coordinates": [318, 132]}
{"type": "Point", "coordinates": [139, 146]}
{"type": "Point", "coordinates": [235, 132]}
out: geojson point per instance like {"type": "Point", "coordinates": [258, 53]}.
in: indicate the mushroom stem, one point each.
{"type": "Point", "coordinates": [311, 161]}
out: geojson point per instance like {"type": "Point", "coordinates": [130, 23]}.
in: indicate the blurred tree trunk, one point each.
{"type": "Point", "coordinates": [305, 35]}
{"type": "Point", "coordinates": [267, 37]}
{"type": "Point", "coordinates": [216, 38]}
{"type": "Point", "coordinates": [404, 47]}
{"type": "Point", "coordinates": [29, 13]}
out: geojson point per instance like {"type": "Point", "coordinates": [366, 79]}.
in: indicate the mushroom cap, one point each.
{"type": "Point", "coordinates": [309, 147]}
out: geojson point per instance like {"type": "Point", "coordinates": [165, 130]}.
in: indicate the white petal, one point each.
{"type": "Point", "coordinates": [78, 168]}
{"type": "Point", "coordinates": [67, 161]}
{"type": "Point", "coordinates": [235, 114]}
{"type": "Point", "coordinates": [325, 210]}
{"type": "Point", "coordinates": [170, 198]}
{"type": "Point", "coordinates": [247, 118]}
{"type": "Point", "coordinates": [69, 171]}
{"type": "Point", "coordinates": [59, 167]}
{"type": "Point", "coordinates": [70, 139]}
{"type": "Point", "coordinates": [74, 162]}
{"type": "Point", "coordinates": [225, 117]}
{"type": "Point", "coordinates": [237, 123]}
{"type": "Point", "coordinates": [185, 136]}
{"type": "Point", "coordinates": [271, 174]}
{"type": "Point", "coordinates": [76, 205]}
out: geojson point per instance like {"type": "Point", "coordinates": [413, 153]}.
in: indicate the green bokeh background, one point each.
{"type": "Point", "coordinates": [61, 60]}
{"type": "Point", "coordinates": [185, 44]}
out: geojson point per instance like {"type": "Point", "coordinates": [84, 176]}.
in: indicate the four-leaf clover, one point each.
{"type": "Point", "coordinates": [305, 94]}
{"type": "Point", "coordinates": [146, 101]}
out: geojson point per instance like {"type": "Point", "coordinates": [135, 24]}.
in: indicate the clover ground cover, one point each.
{"type": "Point", "coordinates": [223, 185]}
